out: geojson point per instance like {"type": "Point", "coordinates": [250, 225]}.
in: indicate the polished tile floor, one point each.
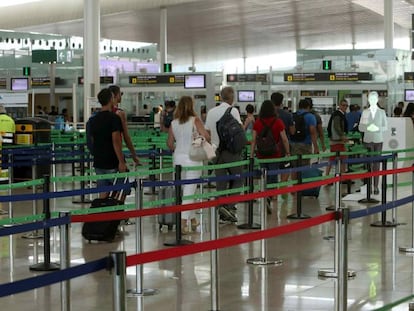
{"type": "Point", "coordinates": [384, 275]}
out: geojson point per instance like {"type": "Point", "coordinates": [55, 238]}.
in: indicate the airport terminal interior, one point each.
{"type": "Point", "coordinates": [157, 51]}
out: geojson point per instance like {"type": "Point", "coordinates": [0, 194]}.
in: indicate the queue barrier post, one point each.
{"type": "Point", "coordinates": [118, 264]}
{"type": "Point", "coordinates": [333, 273]}
{"type": "Point", "coordinates": [178, 201]}
{"type": "Point", "coordinates": [338, 164]}
{"type": "Point", "coordinates": [214, 262]}
{"type": "Point", "coordinates": [65, 262]}
{"type": "Point", "coordinates": [34, 234]}
{"type": "Point", "coordinates": [263, 260]}
{"type": "Point", "coordinates": [298, 214]}
{"type": "Point", "coordinates": [342, 267]}
{"type": "Point", "coordinates": [368, 181]}
{"type": "Point", "coordinates": [384, 222]}
{"type": "Point", "coordinates": [410, 249]}
{"type": "Point", "coordinates": [82, 173]}
{"type": "Point", "coordinates": [139, 269]}
{"type": "Point", "coordinates": [153, 167]}
{"type": "Point", "coordinates": [46, 265]}
{"type": "Point", "coordinates": [250, 181]}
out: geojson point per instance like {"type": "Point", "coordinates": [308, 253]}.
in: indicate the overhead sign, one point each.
{"type": "Point", "coordinates": [14, 99]}
{"type": "Point", "coordinates": [40, 81]}
{"type": "Point", "coordinates": [327, 77]}
{"type": "Point", "coordinates": [157, 79]}
{"type": "Point", "coordinates": [3, 83]}
{"type": "Point", "coordinates": [260, 77]}
{"type": "Point", "coordinates": [102, 80]}
{"type": "Point", "coordinates": [408, 76]}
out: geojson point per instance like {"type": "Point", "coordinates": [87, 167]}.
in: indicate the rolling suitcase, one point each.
{"type": "Point", "coordinates": [309, 173]}
{"type": "Point", "coordinates": [104, 230]}
{"type": "Point", "coordinates": [166, 219]}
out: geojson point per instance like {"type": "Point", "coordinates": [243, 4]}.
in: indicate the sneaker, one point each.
{"type": "Point", "coordinates": [227, 215]}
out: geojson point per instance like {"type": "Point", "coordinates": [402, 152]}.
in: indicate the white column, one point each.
{"type": "Point", "coordinates": [91, 37]}
{"type": "Point", "coordinates": [163, 38]}
{"type": "Point", "coordinates": [388, 24]}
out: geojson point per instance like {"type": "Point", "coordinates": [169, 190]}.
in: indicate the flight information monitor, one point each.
{"type": "Point", "coordinates": [246, 96]}
{"type": "Point", "coordinates": [409, 95]}
{"type": "Point", "coordinates": [194, 81]}
{"type": "Point", "coordinates": [19, 84]}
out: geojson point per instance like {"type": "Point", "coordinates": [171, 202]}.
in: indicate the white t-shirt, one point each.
{"type": "Point", "coordinates": [213, 115]}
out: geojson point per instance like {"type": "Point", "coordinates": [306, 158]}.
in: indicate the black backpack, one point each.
{"type": "Point", "coordinates": [300, 127]}
{"type": "Point", "coordinates": [266, 144]}
{"type": "Point", "coordinates": [231, 133]}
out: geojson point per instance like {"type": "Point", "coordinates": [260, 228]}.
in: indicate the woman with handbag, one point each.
{"type": "Point", "coordinates": [184, 128]}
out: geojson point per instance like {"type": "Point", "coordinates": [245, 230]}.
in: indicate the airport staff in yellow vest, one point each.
{"type": "Point", "coordinates": [7, 126]}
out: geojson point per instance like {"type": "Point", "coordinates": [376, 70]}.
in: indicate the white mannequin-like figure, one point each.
{"type": "Point", "coordinates": [373, 124]}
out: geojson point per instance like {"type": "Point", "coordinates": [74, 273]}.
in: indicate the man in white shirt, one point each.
{"type": "Point", "coordinates": [227, 213]}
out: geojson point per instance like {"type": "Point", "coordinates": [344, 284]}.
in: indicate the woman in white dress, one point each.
{"type": "Point", "coordinates": [180, 137]}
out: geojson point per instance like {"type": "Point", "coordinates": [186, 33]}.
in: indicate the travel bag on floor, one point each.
{"type": "Point", "coordinates": [104, 230]}
{"type": "Point", "coordinates": [309, 173]}
{"type": "Point", "coordinates": [166, 219]}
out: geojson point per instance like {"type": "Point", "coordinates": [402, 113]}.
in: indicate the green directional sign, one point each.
{"type": "Point", "coordinates": [326, 64]}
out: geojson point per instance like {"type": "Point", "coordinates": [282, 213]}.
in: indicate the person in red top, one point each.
{"type": "Point", "coordinates": [267, 115]}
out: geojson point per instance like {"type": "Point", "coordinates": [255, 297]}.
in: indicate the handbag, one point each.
{"type": "Point", "coordinates": [201, 149]}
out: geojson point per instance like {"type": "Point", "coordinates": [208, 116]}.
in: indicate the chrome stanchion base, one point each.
{"type": "Point", "coordinates": [42, 266]}
{"type": "Point", "coordinates": [3, 212]}
{"type": "Point", "coordinates": [145, 292]}
{"type": "Point", "coordinates": [264, 261]}
{"type": "Point", "coordinates": [178, 243]}
{"type": "Point", "coordinates": [407, 249]}
{"type": "Point", "coordinates": [249, 226]}
{"type": "Point", "coordinates": [366, 200]}
{"type": "Point", "coordinates": [33, 235]}
{"type": "Point", "coordinates": [411, 306]}
{"type": "Point", "coordinates": [296, 216]}
{"type": "Point", "coordinates": [331, 273]}
{"type": "Point", "coordinates": [386, 224]}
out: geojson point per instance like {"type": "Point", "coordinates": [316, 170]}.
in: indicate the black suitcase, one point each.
{"type": "Point", "coordinates": [101, 230]}
{"type": "Point", "coordinates": [104, 230]}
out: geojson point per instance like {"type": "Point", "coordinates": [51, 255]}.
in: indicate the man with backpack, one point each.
{"type": "Point", "coordinates": [304, 135]}
{"type": "Point", "coordinates": [225, 127]}
{"type": "Point", "coordinates": [337, 130]}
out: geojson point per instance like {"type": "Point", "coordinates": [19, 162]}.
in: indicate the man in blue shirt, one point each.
{"type": "Point", "coordinates": [302, 144]}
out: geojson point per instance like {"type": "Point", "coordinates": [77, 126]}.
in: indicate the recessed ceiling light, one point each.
{"type": "Point", "coordinates": [5, 3]}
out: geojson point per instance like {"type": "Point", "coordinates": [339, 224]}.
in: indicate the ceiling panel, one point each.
{"type": "Point", "coordinates": [204, 30]}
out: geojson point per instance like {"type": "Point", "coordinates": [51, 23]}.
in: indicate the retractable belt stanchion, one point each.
{"type": "Point", "coordinates": [333, 273]}
{"type": "Point", "coordinates": [214, 261]}
{"type": "Point", "coordinates": [178, 201]}
{"type": "Point", "coordinates": [338, 164]}
{"type": "Point", "coordinates": [153, 167]}
{"type": "Point", "coordinates": [46, 265]}
{"type": "Point", "coordinates": [410, 249]}
{"type": "Point", "coordinates": [368, 199]}
{"type": "Point", "coordinates": [139, 269]}
{"type": "Point", "coordinates": [118, 264]}
{"type": "Point", "coordinates": [65, 262]}
{"type": "Point", "coordinates": [298, 214]}
{"type": "Point", "coordinates": [342, 268]}
{"type": "Point", "coordinates": [82, 173]}
{"type": "Point", "coordinates": [384, 222]}
{"type": "Point", "coordinates": [250, 224]}
{"type": "Point", "coordinates": [34, 234]}
{"type": "Point", "coordinates": [263, 260]}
